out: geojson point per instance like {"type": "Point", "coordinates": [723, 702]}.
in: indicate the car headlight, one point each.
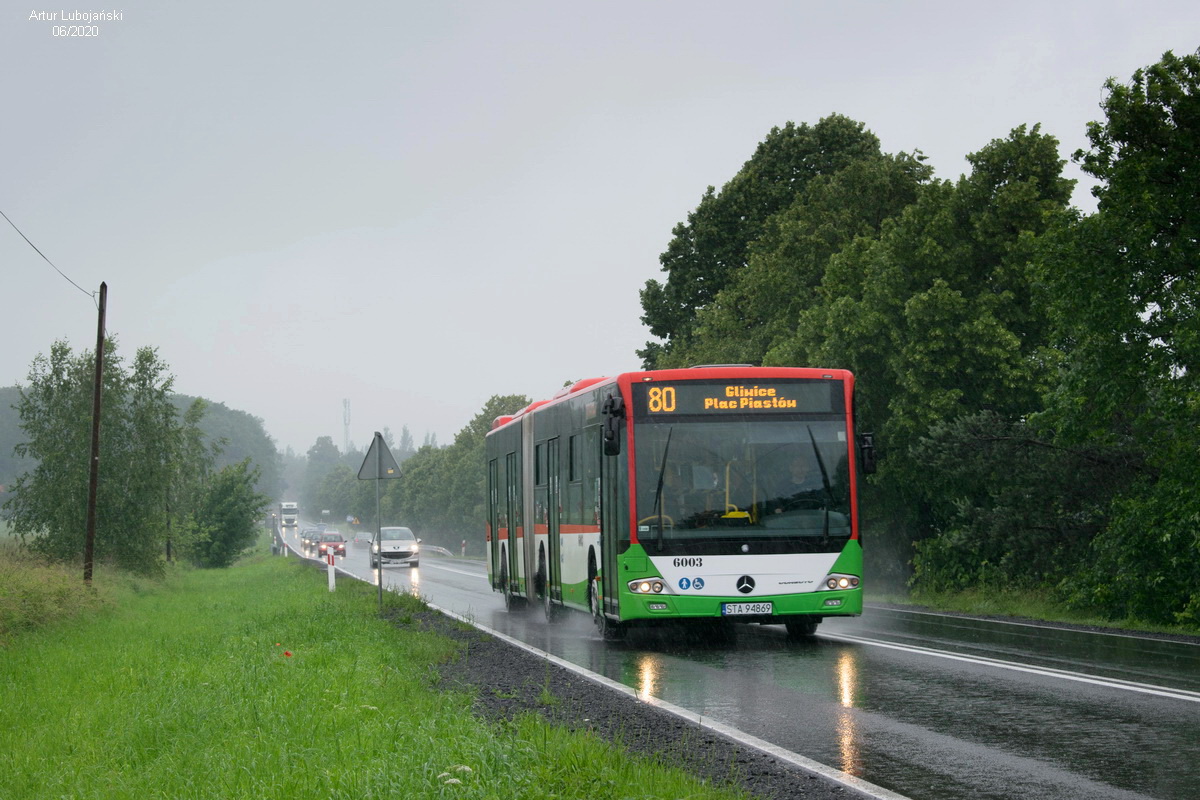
{"type": "Point", "coordinates": [374, 548]}
{"type": "Point", "coordinates": [416, 547]}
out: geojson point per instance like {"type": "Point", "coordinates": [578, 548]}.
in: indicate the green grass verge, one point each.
{"type": "Point", "coordinates": [257, 682]}
{"type": "Point", "coordinates": [35, 593]}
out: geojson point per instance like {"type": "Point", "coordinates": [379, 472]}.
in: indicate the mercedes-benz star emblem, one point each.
{"type": "Point", "coordinates": [745, 584]}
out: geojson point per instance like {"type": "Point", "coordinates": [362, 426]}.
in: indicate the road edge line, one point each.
{"type": "Point", "coordinates": [845, 779]}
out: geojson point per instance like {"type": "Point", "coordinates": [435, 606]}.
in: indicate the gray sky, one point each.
{"type": "Point", "coordinates": [418, 205]}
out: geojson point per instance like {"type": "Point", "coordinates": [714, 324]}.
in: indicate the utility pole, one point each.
{"type": "Point", "coordinates": [346, 426]}
{"type": "Point", "coordinates": [94, 477]}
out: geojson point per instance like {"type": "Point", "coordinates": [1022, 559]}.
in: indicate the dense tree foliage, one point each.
{"type": "Point", "coordinates": [1031, 370]}
{"type": "Point", "coordinates": [1018, 510]}
{"type": "Point", "coordinates": [239, 436]}
{"type": "Point", "coordinates": [322, 458]}
{"type": "Point", "coordinates": [761, 306]}
{"type": "Point", "coordinates": [228, 515]}
{"type": "Point", "coordinates": [714, 244]}
{"type": "Point", "coordinates": [1124, 286]}
{"type": "Point", "coordinates": [154, 465]}
{"type": "Point", "coordinates": [49, 504]}
{"type": "Point", "coordinates": [936, 317]}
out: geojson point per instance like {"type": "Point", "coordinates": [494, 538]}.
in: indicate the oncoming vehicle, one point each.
{"type": "Point", "coordinates": [289, 514]}
{"type": "Point", "coordinates": [331, 542]}
{"type": "Point", "coordinates": [724, 493]}
{"type": "Point", "coordinates": [396, 545]}
{"type": "Point", "coordinates": [309, 537]}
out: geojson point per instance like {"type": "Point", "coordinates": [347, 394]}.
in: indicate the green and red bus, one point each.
{"type": "Point", "coordinates": [719, 493]}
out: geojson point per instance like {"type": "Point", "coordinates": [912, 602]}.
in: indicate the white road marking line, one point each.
{"type": "Point", "coordinates": [1038, 626]}
{"type": "Point", "coordinates": [863, 788]}
{"type": "Point", "coordinates": [1111, 683]}
{"type": "Point", "coordinates": [434, 565]}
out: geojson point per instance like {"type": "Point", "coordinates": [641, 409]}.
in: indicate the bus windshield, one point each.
{"type": "Point", "coordinates": [721, 485]}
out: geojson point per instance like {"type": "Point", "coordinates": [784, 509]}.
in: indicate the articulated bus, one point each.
{"type": "Point", "coordinates": [718, 494]}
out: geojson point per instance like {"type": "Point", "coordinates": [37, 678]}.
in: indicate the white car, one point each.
{"type": "Point", "coordinates": [396, 545]}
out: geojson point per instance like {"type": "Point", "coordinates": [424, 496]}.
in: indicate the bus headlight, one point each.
{"type": "Point", "coordinates": [647, 586]}
{"type": "Point", "coordinates": [838, 581]}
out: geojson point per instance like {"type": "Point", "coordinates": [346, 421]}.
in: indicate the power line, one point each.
{"type": "Point", "coordinates": [48, 261]}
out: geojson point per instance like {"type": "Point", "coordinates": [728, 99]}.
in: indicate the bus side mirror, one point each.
{"type": "Point", "coordinates": [614, 411]}
{"type": "Point", "coordinates": [866, 453]}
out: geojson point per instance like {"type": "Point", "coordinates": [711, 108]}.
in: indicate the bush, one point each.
{"type": "Point", "coordinates": [35, 592]}
{"type": "Point", "coordinates": [1144, 565]}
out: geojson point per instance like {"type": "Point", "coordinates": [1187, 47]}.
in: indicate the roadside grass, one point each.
{"type": "Point", "coordinates": [257, 682]}
{"type": "Point", "coordinates": [1028, 604]}
{"type": "Point", "coordinates": [35, 592]}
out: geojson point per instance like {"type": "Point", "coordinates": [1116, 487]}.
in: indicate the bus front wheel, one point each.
{"type": "Point", "coordinates": [609, 630]}
{"type": "Point", "coordinates": [802, 629]}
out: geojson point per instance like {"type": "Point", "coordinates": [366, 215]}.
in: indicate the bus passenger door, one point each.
{"type": "Point", "coordinates": [493, 529]}
{"type": "Point", "coordinates": [512, 500]}
{"type": "Point", "coordinates": [610, 522]}
{"type": "Point", "coordinates": [553, 507]}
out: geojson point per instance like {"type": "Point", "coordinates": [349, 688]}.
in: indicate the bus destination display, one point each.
{"type": "Point", "coordinates": [669, 399]}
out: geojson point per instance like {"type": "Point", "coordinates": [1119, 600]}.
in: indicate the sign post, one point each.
{"type": "Point", "coordinates": [332, 573]}
{"type": "Point", "coordinates": [378, 464]}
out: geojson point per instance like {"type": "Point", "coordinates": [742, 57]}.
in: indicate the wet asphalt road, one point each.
{"type": "Point", "coordinates": [926, 705]}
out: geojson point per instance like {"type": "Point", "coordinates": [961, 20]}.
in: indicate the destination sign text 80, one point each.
{"type": "Point", "coordinates": [660, 399]}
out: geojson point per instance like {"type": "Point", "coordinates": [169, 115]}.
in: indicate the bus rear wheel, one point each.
{"type": "Point", "coordinates": [553, 612]}
{"type": "Point", "coordinates": [511, 601]}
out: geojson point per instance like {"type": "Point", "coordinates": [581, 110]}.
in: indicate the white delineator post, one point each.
{"type": "Point", "coordinates": [329, 560]}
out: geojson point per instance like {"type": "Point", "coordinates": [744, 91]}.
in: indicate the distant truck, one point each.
{"type": "Point", "coordinates": [289, 514]}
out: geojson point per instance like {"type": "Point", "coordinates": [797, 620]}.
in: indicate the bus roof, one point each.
{"type": "Point", "coordinates": [703, 372]}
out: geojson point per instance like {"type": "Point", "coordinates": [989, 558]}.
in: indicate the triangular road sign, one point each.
{"type": "Point", "coordinates": [379, 462]}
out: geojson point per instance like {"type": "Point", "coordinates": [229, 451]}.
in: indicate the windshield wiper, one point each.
{"type": "Point", "coordinates": [824, 480]}
{"type": "Point", "coordinates": [662, 471]}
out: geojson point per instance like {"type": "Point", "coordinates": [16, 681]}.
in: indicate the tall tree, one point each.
{"type": "Point", "coordinates": [186, 478]}
{"type": "Point", "coordinates": [406, 447]}
{"type": "Point", "coordinates": [762, 304]}
{"type": "Point", "coordinates": [239, 435]}
{"type": "Point", "coordinates": [937, 318]}
{"type": "Point", "coordinates": [323, 457]}
{"type": "Point", "coordinates": [1124, 286]}
{"type": "Point", "coordinates": [228, 515]}
{"type": "Point", "coordinates": [713, 244]}
{"type": "Point", "coordinates": [141, 442]}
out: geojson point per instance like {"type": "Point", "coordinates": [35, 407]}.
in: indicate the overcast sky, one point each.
{"type": "Point", "coordinates": [414, 206]}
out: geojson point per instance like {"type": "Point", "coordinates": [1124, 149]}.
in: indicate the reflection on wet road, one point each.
{"type": "Point", "coordinates": [926, 705]}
